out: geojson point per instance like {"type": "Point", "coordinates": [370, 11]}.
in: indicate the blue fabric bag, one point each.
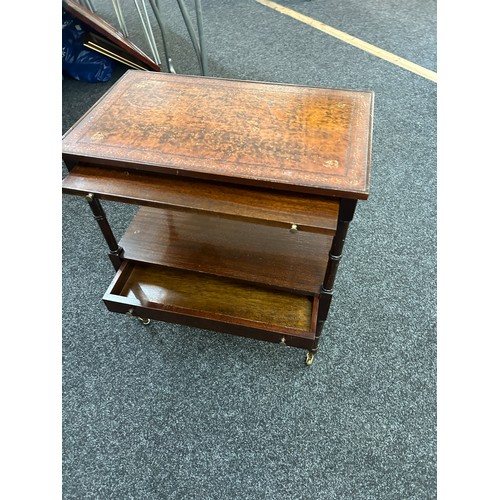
{"type": "Point", "coordinates": [79, 62]}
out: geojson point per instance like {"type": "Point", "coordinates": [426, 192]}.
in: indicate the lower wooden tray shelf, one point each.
{"type": "Point", "coordinates": [213, 303]}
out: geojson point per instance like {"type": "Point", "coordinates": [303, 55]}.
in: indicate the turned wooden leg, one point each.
{"type": "Point", "coordinates": [346, 214]}
{"type": "Point", "coordinates": [115, 251]}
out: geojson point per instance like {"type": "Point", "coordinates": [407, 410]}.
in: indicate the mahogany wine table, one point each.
{"type": "Point", "coordinates": [246, 191]}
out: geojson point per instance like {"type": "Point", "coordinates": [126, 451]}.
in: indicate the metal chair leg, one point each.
{"type": "Point", "coordinates": [201, 37]}
{"type": "Point", "coordinates": [119, 15]}
{"type": "Point", "coordinates": [148, 31]}
{"type": "Point", "coordinates": [88, 4]}
{"type": "Point", "coordinates": [156, 11]}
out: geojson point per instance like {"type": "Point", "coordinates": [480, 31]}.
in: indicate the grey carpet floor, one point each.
{"type": "Point", "coordinates": [170, 412]}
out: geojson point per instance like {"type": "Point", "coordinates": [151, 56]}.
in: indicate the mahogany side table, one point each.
{"type": "Point", "coordinates": [246, 191]}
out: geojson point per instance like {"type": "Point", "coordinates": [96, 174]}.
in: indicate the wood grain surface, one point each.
{"type": "Point", "coordinates": [217, 298]}
{"type": "Point", "coordinates": [215, 245]}
{"type": "Point", "coordinates": [271, 207]}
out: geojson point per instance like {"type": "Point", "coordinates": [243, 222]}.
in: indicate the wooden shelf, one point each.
{"type": "Point", "coordinates": [224, 247]}
{"type": "Point", "coordinates": [275, 208]}
{"type": "Point", "coordinates": [182, 295]}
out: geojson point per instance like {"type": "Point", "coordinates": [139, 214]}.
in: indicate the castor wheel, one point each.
{"type": "Point", "coordinates": [309, 358]}
{"type": "Point", "coordinates": [144, 321]}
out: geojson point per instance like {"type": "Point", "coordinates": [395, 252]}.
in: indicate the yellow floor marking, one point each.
{"type": "Point", "coordinates": [356, 42]}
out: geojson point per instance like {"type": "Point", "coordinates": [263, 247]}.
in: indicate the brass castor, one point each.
{"type": "Point", "coordinates": [144, 321]}
{"type": "Point", "coordinates": [309, 358]}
